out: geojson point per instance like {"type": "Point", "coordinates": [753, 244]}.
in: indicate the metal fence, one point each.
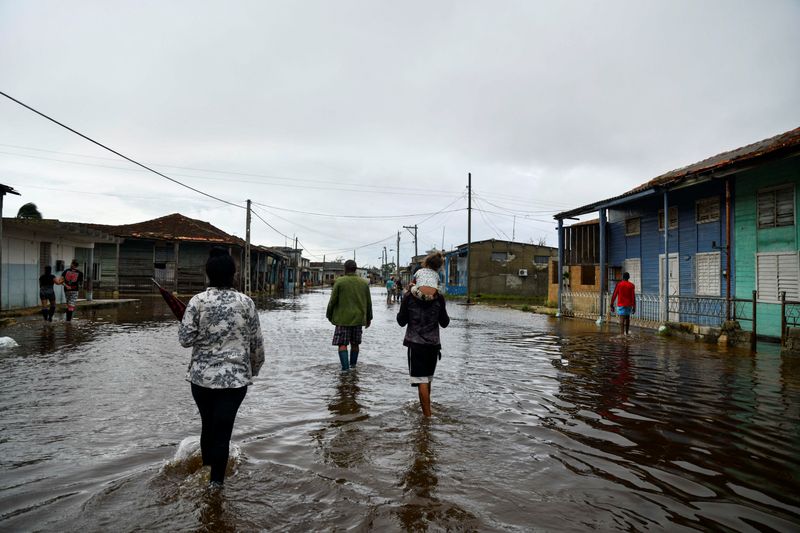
{"type": "Point", "coordinates": [701, 310]}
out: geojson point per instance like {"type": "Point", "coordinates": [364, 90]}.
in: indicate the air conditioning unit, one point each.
{"type": "Point", "coordinates": [523, 272]}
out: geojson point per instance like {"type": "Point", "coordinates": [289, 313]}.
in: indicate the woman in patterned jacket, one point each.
{"type": "Point", "coordinates": [221, 325]}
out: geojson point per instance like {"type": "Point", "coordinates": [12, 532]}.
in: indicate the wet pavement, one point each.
{"type": "Point", "coordinates": [538, 425]}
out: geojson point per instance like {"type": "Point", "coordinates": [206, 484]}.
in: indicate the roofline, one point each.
{"type": "Point", "coordinates": [701, 175]}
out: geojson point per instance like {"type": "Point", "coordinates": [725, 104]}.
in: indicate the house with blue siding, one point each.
{"type": "Point", "coordinates": [690, 252]}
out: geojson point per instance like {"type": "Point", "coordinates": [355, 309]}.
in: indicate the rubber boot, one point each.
{"type": "Point", "coordinates": [343, 359]}
{"type": "Point", "coordinates": [353, 357]}
{"type": "Point", "coordinates": [50, 313]}
{"type": "Point", "coordinates": [69, 315]}
{"type": "Point", "coordinates": [45, 312]}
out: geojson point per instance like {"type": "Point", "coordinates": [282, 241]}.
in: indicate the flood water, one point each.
{"type": "Point", "coordinates": [538, 425]}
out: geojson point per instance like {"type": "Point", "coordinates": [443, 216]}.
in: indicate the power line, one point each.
{"type": "Point", "coordinates": [373, 217]}
{"type": "Point", "coordinates": [361, 186]}
{"type": "Point", "coordinates": [101, 145]}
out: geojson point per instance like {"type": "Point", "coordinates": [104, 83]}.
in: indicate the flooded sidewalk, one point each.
{"type": "Point", "coordinates": [539, 424]}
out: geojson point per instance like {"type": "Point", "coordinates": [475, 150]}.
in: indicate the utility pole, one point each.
{"type": "Point", "coordinates": [469, 229]}
{"type": "Point", "coordinates": [514, 229]}
{"type": "Point", "coordinates": [296, 265]}
{"type": "Point", "coordinates": [247, 253]}
{"type": "Point", "coordinates": [397, 265]}
{"type": "Point", "coordinates": [409, 228]}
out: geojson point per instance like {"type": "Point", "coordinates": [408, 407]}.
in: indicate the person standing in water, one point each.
{"type": "Point", "coordinates": [221, 326]}
{"type": "Point", "coordinates": [47, 293]}
{"type": "Point", "coordinates": [625, 296]}
{"type": "Point", "coordinates": [72, 279]}
{"type": "Point", "coordinates": [349, 308]}
{"type": "Point", "coordinates": [423, 310]}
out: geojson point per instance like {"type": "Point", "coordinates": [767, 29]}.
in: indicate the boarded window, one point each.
{"type": "Point", "coordinates": [777, 272]}
{"type": "Point", "coordinates": [554, 272]}
{"type": "Point", "coordinates": [632, 226]}
{"type": "Point", "coordinates": [776, 207]}
{"type": "Point", "coordinates": [587, 275]}
{"type": "Point", "coordinates": [634, 268]}
{"type": "Point", "coordinates": [707, 274]}
{"type": "Point", "coordinates": [500, 256]}
{"type": "Point", "coordinates": [707, 210]}
{"type": "Point", "coordinates": [673, 218]}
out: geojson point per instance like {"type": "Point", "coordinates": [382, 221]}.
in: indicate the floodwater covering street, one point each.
{"type": "Point", "coordinates": [538, 425]}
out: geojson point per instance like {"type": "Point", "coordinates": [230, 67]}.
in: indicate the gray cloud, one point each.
{"type": "Point", "coordinates": [549, 104]}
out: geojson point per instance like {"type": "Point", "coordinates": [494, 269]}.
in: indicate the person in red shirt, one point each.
{"type": "Point", "coordinates": [625, 295]}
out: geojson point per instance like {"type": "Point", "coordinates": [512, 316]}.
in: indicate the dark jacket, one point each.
{"type": "Point", "coordinates": [423, 319]}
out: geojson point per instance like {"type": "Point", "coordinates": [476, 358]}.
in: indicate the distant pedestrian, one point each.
{"type": "Point", "coordinates": [47, 293]}
{"type": "Point", "coordinates": [398, 290]}
{"type": "Point", "coordinates": [73, 279]}
{"type": "Point", "coordinates": [349, 308]}
{"type": "Point", "coordinates": [221, 326]}
{"type": "Point", "coordinates": [389, 290]}
{"type": "Point", "coordinates": [625, 296]}
{"type": "Point", "coordinates": [423, 311]}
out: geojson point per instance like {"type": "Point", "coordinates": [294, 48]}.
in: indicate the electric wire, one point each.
{"type": "Point", "coordinates": [118, 153]}
{"type": "Point", "coordinates": [368, 217]}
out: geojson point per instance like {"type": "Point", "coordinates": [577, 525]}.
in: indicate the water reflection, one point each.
{"type": "Point", "coordinates": [343, 441]}
{"type": "Point", "coordinates": [539, 423]}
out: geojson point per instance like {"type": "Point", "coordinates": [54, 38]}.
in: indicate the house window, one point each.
{"type": "Point", "coordinates": [776, 207]}
{"type": "Point", "coordinates": [776, 273]}
{"type": "Point", "coordinates": [707, 278]}
{"type": "Point", "coordinates": [554, 272]}
{"type": "Point", "coordinates": [540, 259]}
{"type": "Point", "coordinates": [632, 226]}
{"type": "Point", "coordinates": [587, 275]}
{"type": "Point", "coordinates": [499, 256]}
{"type": "Point", "coordinates": [673, 218]}
{"type": "Point", "coordinates": [96, 271]}
{"type": "Point", "coordinates": [707, 210]}
{"type": "Point", "coordinates": [634, 268]}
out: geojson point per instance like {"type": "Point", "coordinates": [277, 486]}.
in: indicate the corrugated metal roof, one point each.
{"type": "Point", "coordinates": [783, 143]}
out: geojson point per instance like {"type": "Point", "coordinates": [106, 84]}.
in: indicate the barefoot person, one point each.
{"type": "Point", "coordinates": [423, 310]}
{"type": "Point", "coordinates": [349, 308]}
{"type": "Point", "coordinates": [221, 326]}
{"type": "Point", "coordinates": [625, 295]}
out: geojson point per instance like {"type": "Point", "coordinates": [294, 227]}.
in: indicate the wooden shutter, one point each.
{"type": "Point", "coordinates": [784, 206]}
{"type": "Point", "coordinates": [788, 276]}
{"type": "Point", "coordinates": [707, 274]}
{"type": "Point", "coordinates": [634, 268]}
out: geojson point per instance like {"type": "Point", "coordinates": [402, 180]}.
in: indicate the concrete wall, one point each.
{"type": "Point", "coordinates": [489, 276]}
{"type": "Point", "coordinates": [22, 266]}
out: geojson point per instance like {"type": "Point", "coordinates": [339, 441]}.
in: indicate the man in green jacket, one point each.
{"type": "Point", "coordinates": [349, 308]}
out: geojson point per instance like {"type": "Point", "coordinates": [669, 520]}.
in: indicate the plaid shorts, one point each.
{"type": "Point", "coordinates": [344, 335]}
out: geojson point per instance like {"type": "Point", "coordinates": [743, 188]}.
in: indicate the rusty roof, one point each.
{"type": "Point", "coordinates": [174, 227]}
{"type": "Point", "coordinates": [783, 144]}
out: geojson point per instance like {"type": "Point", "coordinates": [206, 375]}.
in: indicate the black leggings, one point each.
{"type": "Point", "coordinates": [217, 411]}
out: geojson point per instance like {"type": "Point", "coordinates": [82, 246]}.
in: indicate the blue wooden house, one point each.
{"type": "Point", "coordinates": [675, 235]}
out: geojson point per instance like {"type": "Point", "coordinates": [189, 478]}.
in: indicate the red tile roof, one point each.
{"type": "Point", "coordinates": [174, 227]}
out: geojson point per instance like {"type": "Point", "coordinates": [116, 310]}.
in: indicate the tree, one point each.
{"type": "Point", "coordinates": [29, 210]}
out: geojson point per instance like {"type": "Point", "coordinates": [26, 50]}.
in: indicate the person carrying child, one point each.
{"type": "Point", "coordinates": [423, 311]}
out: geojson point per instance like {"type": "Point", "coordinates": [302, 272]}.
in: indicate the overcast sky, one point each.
{"type": "Point", "coordinates": [380, 109]}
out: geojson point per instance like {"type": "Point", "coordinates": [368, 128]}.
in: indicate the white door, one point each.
{"type": "Point", "coordinates": [674, 286]}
